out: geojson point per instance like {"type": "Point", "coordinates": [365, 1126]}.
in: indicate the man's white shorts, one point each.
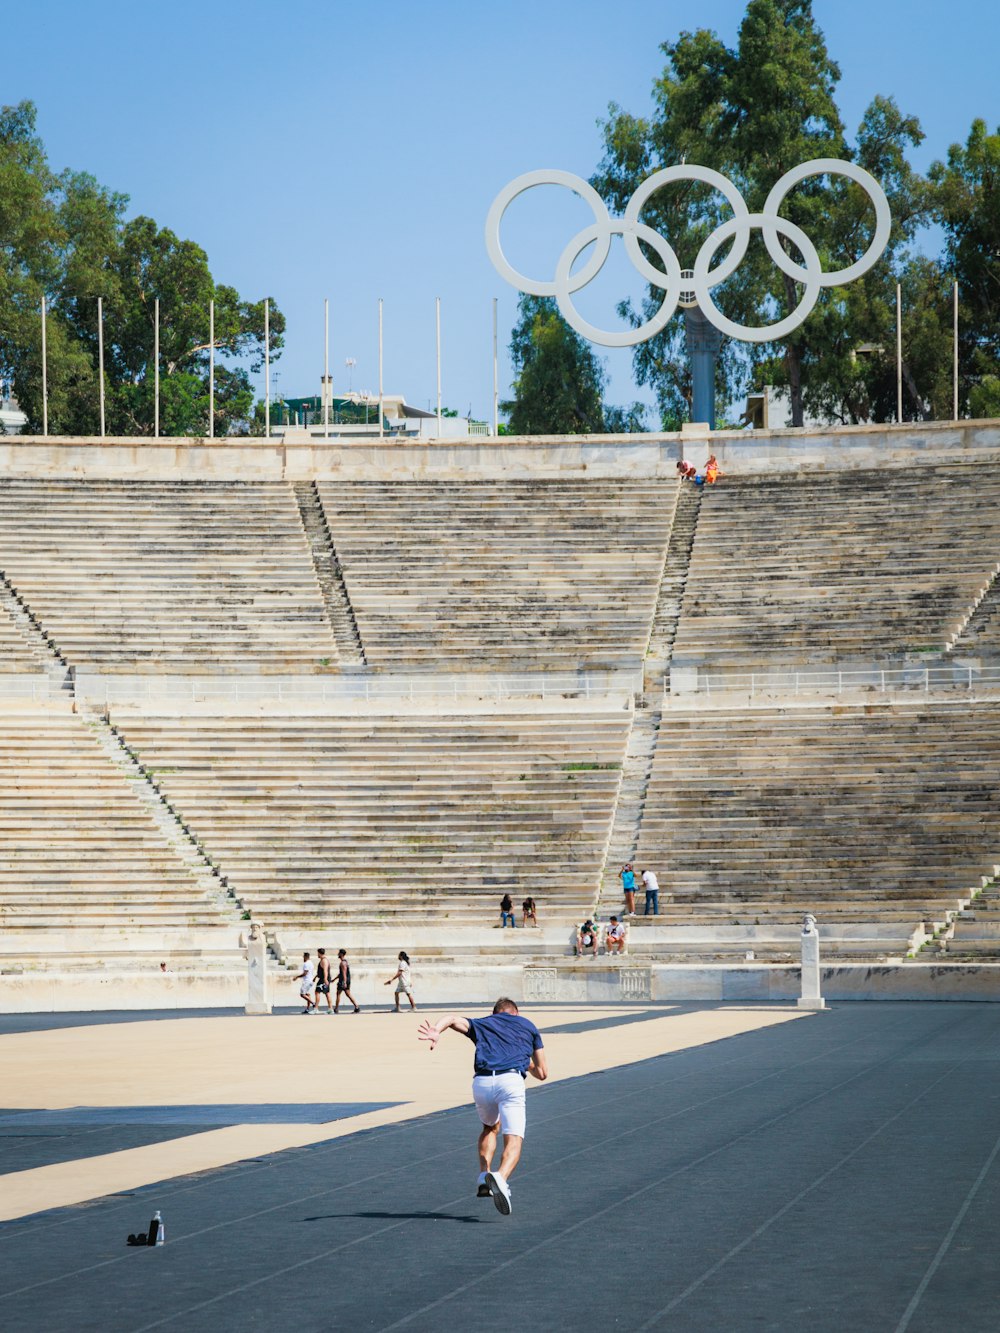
{"type": "Point", "coordinates": [500, 1097]}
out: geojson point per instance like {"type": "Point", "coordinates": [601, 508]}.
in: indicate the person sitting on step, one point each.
{"type": "Point", "coordinates": [614, 937]}
{"type": "Point", "coordinates": [586, 938]}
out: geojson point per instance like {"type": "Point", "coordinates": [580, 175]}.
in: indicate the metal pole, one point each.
{"type": "Point", "coordinates": [381, 428]}
{"type": "Point", "coordinates": [211, 369]}
{"type": "Point", "coordinates": [899, 354]}
{"type": "Point", "coordinates": [437, 319]}
{"type": "Point", "coordinates": [326, 367]}
{"type": "Point", "coordinates": [954, 355]}
{"type": "Point", "coordinates": [267, 368]}
{"type": "Point", "coordinates": [496, 427]}
{"type": "Point", "coordinates": [45, 376]}
{"type": "Point", "coordinates": [156, 369]}
{"type": "Point", "coordinates": [100, 354]}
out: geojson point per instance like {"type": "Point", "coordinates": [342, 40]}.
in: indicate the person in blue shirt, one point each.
{"type": "Point", "coordinates": [628, 887]}
{"type": "Point", "coordinates": [508, 1049]}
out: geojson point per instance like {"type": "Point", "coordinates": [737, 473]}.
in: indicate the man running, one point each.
{"type": "Point", "coordinates": [508, 1049]}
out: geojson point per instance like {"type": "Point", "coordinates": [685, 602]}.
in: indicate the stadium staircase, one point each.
{"type": "Point", "coordinates": [330, 576]}
{"type": "Point", "coordinates": [979, 630]}
{"type": "Point", "coordinates": [672, 586]}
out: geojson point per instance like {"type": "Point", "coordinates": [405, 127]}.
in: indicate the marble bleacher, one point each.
{"type": "Point", "coordinates": [407, 820]}
{"type": "Point", "coordinates": [501, 575]}
{"type": "Point", "coordinates": [807, 569]}
{"type": "Point", "coordinates": [167, 577]}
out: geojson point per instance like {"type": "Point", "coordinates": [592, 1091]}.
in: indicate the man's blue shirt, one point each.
{"type": "Point", "coordinates": [504, 1041]}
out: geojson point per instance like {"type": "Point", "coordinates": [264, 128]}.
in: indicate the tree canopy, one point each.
{"type": "Point", "coordinates": [558, 381]}
{"type": "Point", "coordinates": [66, 237]}
{"type": "Point", "coordinates": [752, 112]}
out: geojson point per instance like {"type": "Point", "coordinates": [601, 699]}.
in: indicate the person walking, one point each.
{"type": "Point", "coordinates": [344, 982]}
{"type": "Point", "coordinates": [401, 977]}
{"type": "Point", "coordinates": [306, 977]}
{"type": "Point", "coordinates": [628, 887]}
{"type": "Point", "coordinates": [508, 1048]}
{"type": "Point", "coordinates": [323, 977]}
{"type": "Point", "coordinates": [652, 886]}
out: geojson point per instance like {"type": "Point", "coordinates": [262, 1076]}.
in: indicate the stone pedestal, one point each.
{"type": "Point", "coordinates": [810, 997]}
{"type": "Point", "coordinates": [256, 951]}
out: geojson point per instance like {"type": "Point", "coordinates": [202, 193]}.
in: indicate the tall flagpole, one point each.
{"type": "Point", "coordinates": [211, 369]}
{"type": "Point", "coordinates": [437, 320]}
{"type": "Point", "coordinates": [45, 375]}
{"type": "Point", "coordinates": [496, 425]}
{"type": "Point", "coordinates": [267, 368]}
{"type": "Point", "coordinates": [954, 356]}
{"type": "Point", "coordinates": [899, 353]}
{"type": "Point", "coordinates": [156, 369]}
{"type": "Point", "coordinates": [381, 428]}
{"type": "Point", "coordinates": [326, 368]}
{"type": "Point", "coordinates": [100, 354]}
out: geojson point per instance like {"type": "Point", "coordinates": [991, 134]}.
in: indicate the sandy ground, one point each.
{"type": "Point", "coordinates": [292, 1060]}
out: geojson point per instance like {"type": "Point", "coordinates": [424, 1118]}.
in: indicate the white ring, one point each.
{"type": "Point", "coordinates": [703, 285]}
{"type": "Point", "coordinates": [685, 173]}
{"type": "Point", "coordinates": [504, 200]}
{"type": "Point", "coordinates": [829, 166]}
{"type": "Point", "coordinates": [737, 229]}
{"type": "Point", "coordinates": [669, 281]}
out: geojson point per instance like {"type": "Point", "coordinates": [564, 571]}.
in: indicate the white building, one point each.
{"type": "Point", "coordinates": [356, 416]}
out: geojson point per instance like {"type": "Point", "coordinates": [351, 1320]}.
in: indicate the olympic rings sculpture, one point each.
{"type": "Point", "coordinates": [599, 233]}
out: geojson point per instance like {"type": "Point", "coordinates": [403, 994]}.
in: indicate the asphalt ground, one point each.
{"type": "Point", "coordinates": [837, 1172]}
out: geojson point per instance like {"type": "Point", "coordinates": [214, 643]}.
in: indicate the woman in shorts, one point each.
{"type": "Point", "coordinates": [529, 913]}
{"type": "Point", "coordinates": [401, 977]}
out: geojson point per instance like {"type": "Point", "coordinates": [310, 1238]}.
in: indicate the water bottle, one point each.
{"type": "Point", "coordinates": [157, 1229]}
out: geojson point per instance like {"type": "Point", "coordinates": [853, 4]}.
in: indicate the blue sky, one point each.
{"type": "Point", "coordinates": [352, 151]}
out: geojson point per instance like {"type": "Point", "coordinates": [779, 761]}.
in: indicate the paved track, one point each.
{"type": "Point", "coordinates": [834, 1173]}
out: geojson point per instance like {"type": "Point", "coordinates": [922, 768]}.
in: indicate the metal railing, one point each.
{"type": "Point", "coordinates": [838, 681]}
{"type": "Point", "coordinates": [98, 690]}
{"type": "Point", "coordinates": [17, 686]}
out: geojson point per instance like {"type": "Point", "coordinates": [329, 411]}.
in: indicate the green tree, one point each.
{"type": "Point", "coordinates": [753, 112]}
{"type": "Point", "coordinates": [66, 237]}
{"type": "Point", "coordinates": [558, 381]}
{"type": "Point", "coordinates": [967, 205]}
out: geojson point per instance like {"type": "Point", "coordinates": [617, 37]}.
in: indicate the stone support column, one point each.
{"type": "Point", "coordinates": [811, 997]}
{"type": "Point", "coordinates": [703, 343]}
{"type": "Point", "coordinates": [256, 954]}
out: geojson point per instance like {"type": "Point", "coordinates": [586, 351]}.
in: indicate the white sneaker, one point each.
{"type": "Point", "coordinates": [500, 1191]}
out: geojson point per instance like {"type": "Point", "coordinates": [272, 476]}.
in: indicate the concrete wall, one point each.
{"type": "Point", "coordinates": [482, 982]}
{"type": "Point", "coordinates": [509, 456]}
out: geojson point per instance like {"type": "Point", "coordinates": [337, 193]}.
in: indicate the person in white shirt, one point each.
{"type": "Point", "coordinates": [614, 936]}
{"type": "Point", "coordinates": [306, 977]}
{"type": "Point", "coordinates": [401, 977]}
{"type": "Point", "coordinates": [652, 887]}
